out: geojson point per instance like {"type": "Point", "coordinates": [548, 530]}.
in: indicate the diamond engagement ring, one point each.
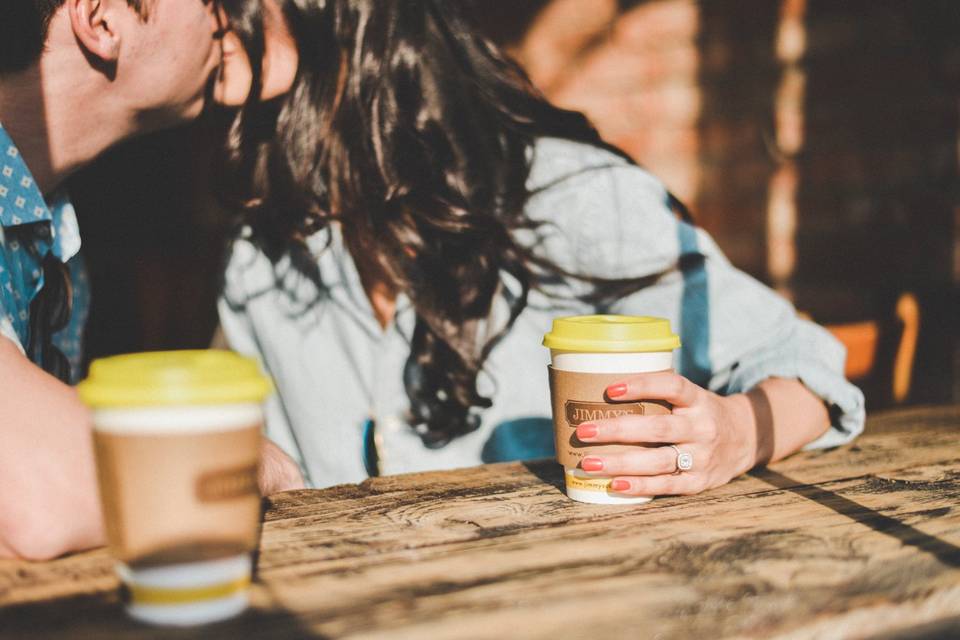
{"type": "Point", "coordinates": [684, 459]}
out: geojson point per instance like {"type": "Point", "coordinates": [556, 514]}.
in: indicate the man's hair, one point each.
{"type": "Point", "coordinates": [23, 30]}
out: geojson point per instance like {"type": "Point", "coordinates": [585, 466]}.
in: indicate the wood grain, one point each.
{"type": "Point", "coordinates": [855, 542]}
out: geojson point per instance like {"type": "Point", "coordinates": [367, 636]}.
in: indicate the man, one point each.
{"type": "Point", "coordinates": [76, 77]}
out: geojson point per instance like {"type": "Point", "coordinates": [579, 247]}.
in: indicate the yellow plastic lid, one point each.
{"type": "Point", "coordinates": [611, 334]}
{"type": "Point", "coordinates": [174, 377]}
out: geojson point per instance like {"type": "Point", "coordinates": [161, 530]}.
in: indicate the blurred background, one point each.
{"type": "Point", "coordinates": [818, 141]}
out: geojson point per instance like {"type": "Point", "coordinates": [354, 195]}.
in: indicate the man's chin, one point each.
{"type": "Point", "coordinates": [156, 119]}
{"type": "Point", "coordinates": [193, 111]}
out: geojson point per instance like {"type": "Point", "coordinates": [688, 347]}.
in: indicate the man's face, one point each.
{"type": "Point", "coordinates": [167, 60]}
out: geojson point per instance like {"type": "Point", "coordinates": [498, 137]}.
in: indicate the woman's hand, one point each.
{"type": "Point", "coordinates": [719, 432]}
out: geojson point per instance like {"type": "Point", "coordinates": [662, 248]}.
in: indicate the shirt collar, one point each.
{"type": "Point", "coordinates": [21, 203]}
{"type": "Point", "coordinates": [20, 200]}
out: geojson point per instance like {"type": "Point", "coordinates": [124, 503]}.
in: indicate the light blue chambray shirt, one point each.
{"type": "Point", "coordinates": [30, 228]}
{"type": "Point", "coordinates": [337, 371]}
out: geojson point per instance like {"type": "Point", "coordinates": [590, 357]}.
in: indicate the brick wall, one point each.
{"type": "Point", "coordinates": [816, 140]}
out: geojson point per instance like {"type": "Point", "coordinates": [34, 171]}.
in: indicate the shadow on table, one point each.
{"type": "Point", "coordinates": [100, 616]}
{"type": "Point", "coordinates": [945, 552]}
{"type": "Point", "coordinates": [548, 471]}
{"type": "Point", "coordinates": [949, 628]}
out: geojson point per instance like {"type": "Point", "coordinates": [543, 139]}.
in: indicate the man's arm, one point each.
{"type": "Point", "coordinates": [49, 503]}
{"type": "Point", "coordinates": [278, 471]}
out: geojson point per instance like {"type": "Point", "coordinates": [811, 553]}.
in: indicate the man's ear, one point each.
{"type": "Point", "coordinates": [95, 25]}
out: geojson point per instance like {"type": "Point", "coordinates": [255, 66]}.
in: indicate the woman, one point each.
{"type": "Point", "coordinates": [415, 216]}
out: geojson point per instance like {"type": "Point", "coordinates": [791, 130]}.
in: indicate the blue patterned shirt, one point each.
{"type": "Point", "coordinates": [31, 228]}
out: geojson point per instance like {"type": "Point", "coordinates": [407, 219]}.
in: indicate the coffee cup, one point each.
{"type": "Point", "coordinates": [588, 354]}
{"type": "Point", "coordinates": [177, 440]}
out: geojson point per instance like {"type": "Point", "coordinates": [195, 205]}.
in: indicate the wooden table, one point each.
{"type": "Point", "coordinates": [861, 541]}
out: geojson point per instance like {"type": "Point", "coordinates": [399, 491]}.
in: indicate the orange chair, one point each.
{"type": "Point", "coordinates": [880, 353]}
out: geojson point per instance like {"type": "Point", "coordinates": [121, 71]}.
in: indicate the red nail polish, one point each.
{"type": "Point", "coordinates": [587, 430]}
{"type": "Point", "coordinates": [620, 485]}
{"type": "Point", "coordinates": [616, 390]}
{"type": "Point", "coordinates": [592, 464]}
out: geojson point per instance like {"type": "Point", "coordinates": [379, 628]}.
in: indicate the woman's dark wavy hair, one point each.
{"type": "Point", "coordinates": [414, 132]}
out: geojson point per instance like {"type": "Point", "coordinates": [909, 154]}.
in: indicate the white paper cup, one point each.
{"type": "Point", "coordinates": [605, 350]}
{"type": "Point", "coordinates": [177, 439]}
{"type": "Point", "coordinates": [187, 594]}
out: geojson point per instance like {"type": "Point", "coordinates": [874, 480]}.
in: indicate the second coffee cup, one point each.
{"type": "Point", "coordinates": [589, 353]}
{"type": "Point", "coordinates": [177, 443]}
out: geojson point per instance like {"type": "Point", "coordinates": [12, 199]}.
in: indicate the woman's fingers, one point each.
{"type": "Point", "coordinates": [664, 485]}
{"type": "Point", "coordinates": [662, 385]}
{"type": "Point", "coordinates": [651, 471]}
{"type": "Point", "coordinates": [637, 461]}
{"type": "Point", "coordinates": [665, 428]}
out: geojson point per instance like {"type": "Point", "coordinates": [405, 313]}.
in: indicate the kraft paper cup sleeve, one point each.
{"type": "Point", "coordinates": [580, 397]}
